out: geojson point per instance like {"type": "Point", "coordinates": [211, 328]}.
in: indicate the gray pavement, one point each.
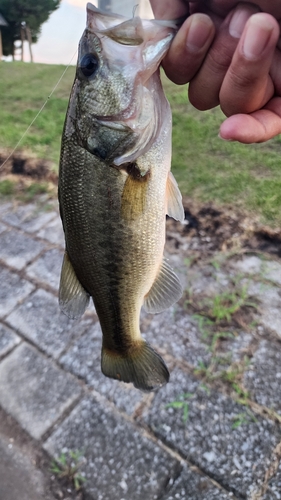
{"type": "Point", "coordinates": [213, 433]}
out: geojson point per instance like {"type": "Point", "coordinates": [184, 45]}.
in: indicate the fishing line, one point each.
{"type": "Point", "coordinates": [39, 112]}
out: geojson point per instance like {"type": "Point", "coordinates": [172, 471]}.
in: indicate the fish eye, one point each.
{"type": "Point", "coordinates": [89, 64]}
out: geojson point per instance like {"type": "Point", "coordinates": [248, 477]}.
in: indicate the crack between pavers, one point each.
{"type": "Point", "coordinates": [194, 466]}
{"type": "Point", "coordinates": [269, 474]}
{"type": "Point", "coordinates": [33, 236]}
{"type": "Point", "coordinates": [224, 389]}
{"type": "Point", "coordinates": [65, 414]}
{"type": "Point", "coordinates": [148, 433]}
{"type": "Point", "coordinates": [11, 349]}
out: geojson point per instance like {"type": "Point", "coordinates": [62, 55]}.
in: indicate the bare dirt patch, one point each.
{"type": "Point", "coordinates": [21, 164]}
{"type": "Point", "coordinates": [215, 228]}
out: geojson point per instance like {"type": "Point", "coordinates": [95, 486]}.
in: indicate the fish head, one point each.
{"type": "Point", "coordinates": [117, 98]}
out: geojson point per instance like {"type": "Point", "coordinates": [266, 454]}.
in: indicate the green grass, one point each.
{"type": "Point", "coordinates": [67, 466]}
{"type": "Point", "coordinates": [207, 168]}
{"type": "Point", "coordinates": [23, 90]}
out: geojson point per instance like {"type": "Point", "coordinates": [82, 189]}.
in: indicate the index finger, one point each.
{"type": "Point", "coordinates": [222, 7]}
{"type": "Point", "coordinates": [165, 9]}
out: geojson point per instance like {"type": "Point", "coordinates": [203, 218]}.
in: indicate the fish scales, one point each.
{"type": "Point", "coordinates": [114, 192]}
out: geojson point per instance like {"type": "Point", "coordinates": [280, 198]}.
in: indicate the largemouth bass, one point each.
{"type": "Point", "coordinates": [115, 189]}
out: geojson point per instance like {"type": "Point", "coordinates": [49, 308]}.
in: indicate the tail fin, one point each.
{"type": "Point", "coordinates": [140, 365]}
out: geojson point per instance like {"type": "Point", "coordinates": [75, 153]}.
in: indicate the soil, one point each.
{"type": "Point", "coordinates": [19, 164]}
{"type": "Point", "coordinates": [215, 228]}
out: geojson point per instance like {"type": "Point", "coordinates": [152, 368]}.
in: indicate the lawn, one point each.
{"type": "Point", "coordinates": [207, 168]}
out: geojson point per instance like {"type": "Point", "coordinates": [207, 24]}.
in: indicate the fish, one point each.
{"type": "Point", "coordinates": [115, 189]}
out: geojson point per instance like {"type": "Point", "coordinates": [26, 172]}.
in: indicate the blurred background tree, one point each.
{"type": "Point", "coordinates": [28, 13]}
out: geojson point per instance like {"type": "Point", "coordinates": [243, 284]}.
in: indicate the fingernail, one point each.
{"type": "Point", "coordinates": [199, 32]}
{"type": "Point", "coordinates": [257, 35]}
{"type": "Point", "coordinates": [238, 21]}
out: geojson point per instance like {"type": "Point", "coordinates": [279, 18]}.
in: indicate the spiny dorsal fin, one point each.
{"type": "Point", "coordinates": [174, 199]}
{"type": "Point", "coordinates": [165, 291]}
{"type": "Point", "coordinates": [73, 298]}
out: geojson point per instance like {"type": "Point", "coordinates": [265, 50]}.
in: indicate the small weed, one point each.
{"type": "Point", "coordinates": [7, 187]}
{"type": "Point", "coordinates": [205, 371]}
{"type": "Point", "coordinates": [181, 404]}
{"type": "Point", "coordinates": [220, 335]}
{"type": "Point", "coordinates": [33, 190]}
{"type": "Point", "coordinates": [204, 324]}
{"type": "Point", "coordinates": [225, 305]}
{"type": "Point", "coordinates": [244, 418]}
{"type": "Point", "coordinates": [188, 298]}
{"type": "Point", "coordinates": [67, 465]}
{"type": "Point", "coordinates": [205, 388]}
{"type": "Point", "coordinates": [215, 264]}
{"type": "Point", "coordinates": [232, 375]}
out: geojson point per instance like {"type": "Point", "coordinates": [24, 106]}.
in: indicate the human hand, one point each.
{"type": "Point", "coordinates": [240, 71]}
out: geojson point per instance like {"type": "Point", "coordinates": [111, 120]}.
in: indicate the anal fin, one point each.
{"type": "Point", "coordinates": [174, 199]}
{"type": "Point", "coordinates": [73, 298]}
{"type": "Point", "coordinates": [165, 291]}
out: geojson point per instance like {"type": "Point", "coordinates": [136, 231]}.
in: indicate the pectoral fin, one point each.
{"type": "Point", "coordinates": [165, 291]}
{"type": "Point", "coordinates": [73, 298]}
{"type": "Point", "coordinates": [174, 199]}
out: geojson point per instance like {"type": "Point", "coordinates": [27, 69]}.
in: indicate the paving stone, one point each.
{"type": "Point", "coordinates": [236, 457]}
{"type": "Point", "coordinates": [263, 378]}
{"type": "Point", "coordinates": [12, 291]}
{"type": "Point", "coordinates": [2, 228]}
{"type": "Point", "coordinates": [272, 271]}
{"type": "Point", "coordinates": [269, 304]}
{"type": "Point", "coordinates": [250, 264]}
{"type": "Point", "coordinates": [274, 486]}
{"type": "Point", "coordinates": [266, 294]}
{"type": "Point", "coordinates": [5, 207]}
{"type": "Point", "coordinates": [28, 217]}
{"type": "Point", "coordinates": [270, 318]}
{"type": "Point", "coordinates": [34, 391]}
{"type": "Point", "coordinates": [39, 319]}
{"type": "Point", "coordinates": [206, 280]}
{"type": "Point", "coordinates": [175, 332]}
{"type": "Point", "coordinates": [8, 340]}
{"type": "Point", "coordinates": [46, 269]}
{"type": "Point", "coordinates": [18, 249]}
{"type": "Point", "coordinates": [121, 463]}
{"type": "Point", "coordinates": [53, 232]}
{"type": "Point", "coordinates": [234, 348]}
{"type": "Point", "coordinates": [84, 360]}
{"type": "Point", "coordinates": [194, 486]}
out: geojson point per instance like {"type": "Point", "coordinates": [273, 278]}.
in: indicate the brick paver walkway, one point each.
{"type": "Point", "coordinates": [197, 438]}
